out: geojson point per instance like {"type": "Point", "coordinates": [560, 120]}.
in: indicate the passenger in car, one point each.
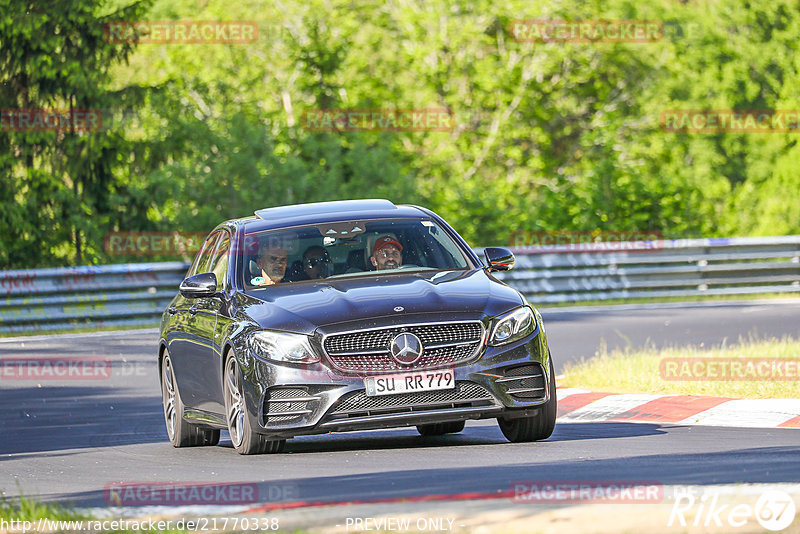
{"type": "Point", "coordinates": [315, 263]}
{"type": "Point", "coordinates": [272, 262]}
{"type": "Point", "coordinates": [386, 253]}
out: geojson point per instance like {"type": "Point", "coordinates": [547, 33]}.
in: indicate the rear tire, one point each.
{"type": "Point", "coordinates": [244, 439]}
{"type": "Point", "coordinates": [440, 429]}
{"type": "Point", "coordinates": [181, 433]}
{"type": "Point", "coordinates": [535, 428]}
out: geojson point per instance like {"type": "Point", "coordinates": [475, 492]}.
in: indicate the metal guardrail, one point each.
{"type": "Point", "coordinates": [655, 269]}
{"type": "Point", "coordinates": [73, 297]}
{"type": "Point", "coordinates": [137, 294]}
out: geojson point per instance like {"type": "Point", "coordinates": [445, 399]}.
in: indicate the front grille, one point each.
{"type": "Point", "coordinates": [524, 382]}
{"type": "Point", "coordinates": [464, 395]}
{"type": "Point", "coordinates": [444, 344]}
{"type": "Point", "coordinates": [280, 408]}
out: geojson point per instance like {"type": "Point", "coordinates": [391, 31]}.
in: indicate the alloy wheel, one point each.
{"type": "Point", "coordinates": [170, 414]}
{"type": "Point", "coordinates": [235, 403]}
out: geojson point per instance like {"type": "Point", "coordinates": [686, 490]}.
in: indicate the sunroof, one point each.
{"type": "Point", "coordinates": [324, 208]}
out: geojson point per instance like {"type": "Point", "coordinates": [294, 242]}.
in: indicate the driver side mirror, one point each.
{"type": "Point", "coordinates": [199, 285]}
{"type": "Point", "coordinates": [499, 259]}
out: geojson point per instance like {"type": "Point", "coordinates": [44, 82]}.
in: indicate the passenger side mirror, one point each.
{"type": "Point", "coordinates": [199, 285]}
{"type": "Point", "coordinates": [499, 259]}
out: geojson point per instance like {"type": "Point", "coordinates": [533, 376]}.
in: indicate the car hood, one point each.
{"type": "Point", "coordinates": [376, 300]}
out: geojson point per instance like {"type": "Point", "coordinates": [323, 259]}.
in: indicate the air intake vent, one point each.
{"type": "Point", "coordinates": [284, 406]}
{"type": "Point", "coordinates": [465, 395]}
{"type": "Point", "coordinates": [524, 382]}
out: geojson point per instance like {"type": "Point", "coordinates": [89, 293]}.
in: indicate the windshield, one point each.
{"type": "Point", "coordinates": [347, 249]}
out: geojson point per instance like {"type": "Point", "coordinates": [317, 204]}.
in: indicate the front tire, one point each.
{"type": "Point", "coordinates": [440, 429]}
{"type": "Point", "coordinates": [524, 429]}
{"type": "Point", "coordinates": [181, 433]}
{"type": "Point", "coordinates": [244, 440]}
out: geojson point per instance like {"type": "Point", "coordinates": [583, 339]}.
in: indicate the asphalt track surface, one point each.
{"type": "Point", "coordinates": [68, 440]}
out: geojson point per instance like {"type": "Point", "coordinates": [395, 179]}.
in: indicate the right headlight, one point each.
{"type": "Point", "coordinates": [282, 347]}
{"type": "Point", "coordinates": [512, 326]}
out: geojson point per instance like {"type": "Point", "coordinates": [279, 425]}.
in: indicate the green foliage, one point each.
{"type": "Point", "coordinates": [27, 509]}
{"type": "Point", "coordinates": [547, 136]}
{"type": "Point", "coordinates": [58, 186]}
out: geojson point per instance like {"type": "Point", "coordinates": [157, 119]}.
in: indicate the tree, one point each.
{"type": "Point", "coordinates": [60, 183]}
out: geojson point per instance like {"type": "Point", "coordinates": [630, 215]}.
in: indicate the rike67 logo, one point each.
{"type": "Point", "coordinates": [774, 510]}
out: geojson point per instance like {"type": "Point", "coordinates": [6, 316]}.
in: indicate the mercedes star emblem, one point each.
{"type": "Point", "coordinates": [406, 348]}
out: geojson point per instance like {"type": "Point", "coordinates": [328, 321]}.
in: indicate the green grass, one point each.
{"type": "Point", "coordinates": [639, 371]}
{"type": "Point", "coordinates": [692, 299]}
{"type": "Point", "coordinates": [30, 510]}
{"type": "Point", "coordinates": [26, 509]}
{"type": "Point", "coordinates": [79, 330]}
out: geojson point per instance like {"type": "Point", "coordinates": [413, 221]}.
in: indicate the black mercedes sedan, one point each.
{"type": "Point", "coordinates": [349, 315]}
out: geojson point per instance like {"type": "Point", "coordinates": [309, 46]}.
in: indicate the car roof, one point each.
{"type": "Point", "coordinates": [318, 212]}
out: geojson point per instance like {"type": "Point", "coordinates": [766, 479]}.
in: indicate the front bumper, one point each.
{"type": "Point", "coordinates": [286, 401]}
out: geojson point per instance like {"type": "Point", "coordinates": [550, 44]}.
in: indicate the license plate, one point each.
{"type": "Point", "coordinates": [410, 382]}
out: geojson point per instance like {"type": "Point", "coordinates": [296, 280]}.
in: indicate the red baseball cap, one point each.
{"type": "Point", "coordinates": [384, 241]}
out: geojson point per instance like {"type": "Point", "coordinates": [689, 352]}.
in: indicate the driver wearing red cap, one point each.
{"type": "Point", "coordinates": [386, 253]}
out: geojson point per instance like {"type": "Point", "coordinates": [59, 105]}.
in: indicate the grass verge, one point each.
{"type": "Point", "coordinates": [727, 370]}
{"type": "Point", "coordinates": [80, 330]}
{"type": "Point", "coordinates": [654, 300]}
{"type": "Point", "coordinates": [27, 515]}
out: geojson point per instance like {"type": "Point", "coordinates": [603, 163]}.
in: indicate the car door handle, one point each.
{"type": "Point", "coordinates": [172, 310]}
{"type": "Point", "coordinates": [193, 310]}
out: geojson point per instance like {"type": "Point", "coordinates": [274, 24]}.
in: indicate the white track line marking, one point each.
{"type": "Point", "coordinates": [607, 408]}
{"type": "Point", "coordinates": [754, 413]}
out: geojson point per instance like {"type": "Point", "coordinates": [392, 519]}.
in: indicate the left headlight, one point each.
{"type": "Point", "coordinates": [512, 326]}
{"type": "Point", "coordinates": [282, 347]}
